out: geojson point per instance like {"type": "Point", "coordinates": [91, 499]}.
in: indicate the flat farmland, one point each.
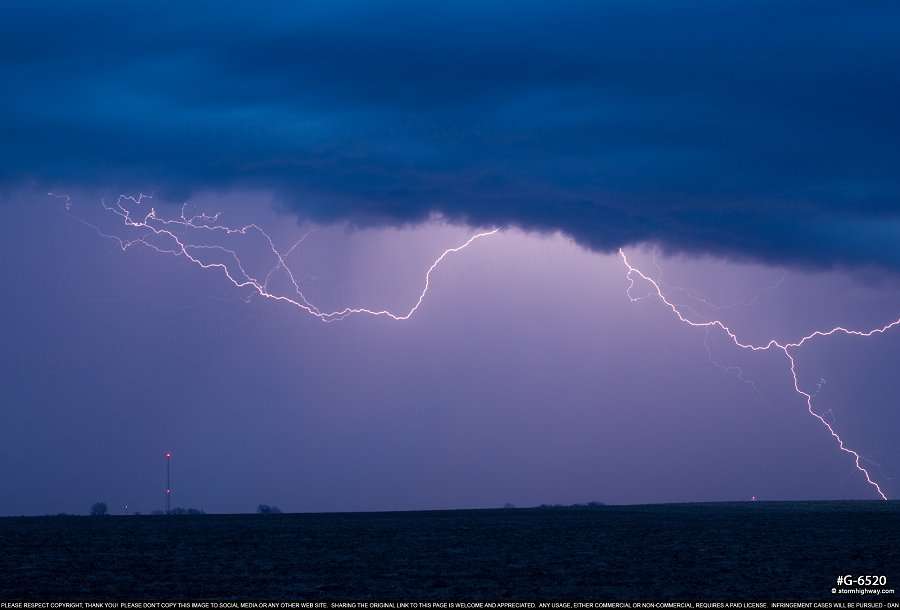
{"type": "Point", "coordinates": [756, 550]}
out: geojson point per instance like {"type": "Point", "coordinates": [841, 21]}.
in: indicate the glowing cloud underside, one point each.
{"type": "Point", "coordinates": [182, 237]}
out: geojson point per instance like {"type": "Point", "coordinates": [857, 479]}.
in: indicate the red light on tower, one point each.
{"type": "Point", "coordinates": [168, 484]}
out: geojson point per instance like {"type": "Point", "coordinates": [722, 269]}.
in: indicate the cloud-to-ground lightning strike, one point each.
{"type": "Point", "coordinates": [786, 347]}
{"type": "Point", "coordinates": [153, 227]}
{"type": "Point", "coordinates": [173, 236]}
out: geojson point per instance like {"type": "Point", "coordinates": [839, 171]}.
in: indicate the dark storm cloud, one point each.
{"type": "Point", "coordinates": [750, 129]}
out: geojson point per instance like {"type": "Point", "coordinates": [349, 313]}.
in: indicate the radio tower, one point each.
{"type": "Point", "coordinates": [168, 486]}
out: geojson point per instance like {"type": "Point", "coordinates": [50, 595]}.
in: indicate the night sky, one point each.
{"type": "Point", "coordinates": [743, 155]}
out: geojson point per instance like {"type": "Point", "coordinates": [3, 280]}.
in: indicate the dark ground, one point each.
{"type": "Point", "coordinates": [759, 550]}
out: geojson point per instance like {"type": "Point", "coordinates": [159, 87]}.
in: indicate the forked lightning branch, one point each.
{"type": "Point", "coordinates": [189, 237]}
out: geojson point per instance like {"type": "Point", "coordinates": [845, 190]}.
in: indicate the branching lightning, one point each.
{"type": "Point", "coordinates": [173, 236]}
{"type": "Point", "coordinates": [176, 237]}
{"type": "Point", "coordinates": [657, 292]}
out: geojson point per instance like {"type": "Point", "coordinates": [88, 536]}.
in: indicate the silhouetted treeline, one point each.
{"type": "Point", "coordinates": [180, 511]}
{"type": "Point", "coordinates": [588, 505]}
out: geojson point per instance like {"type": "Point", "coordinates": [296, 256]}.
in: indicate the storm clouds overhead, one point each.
{"type": "Point", "coordinates": [756, 130]}
{"type": "Point", "coordinates": [743, 154]}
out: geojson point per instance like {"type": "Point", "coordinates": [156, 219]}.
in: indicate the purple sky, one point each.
{"type": "Point", "coordinates": [752, 144]}
{"type": "Point", "coordinates": [527, 375]}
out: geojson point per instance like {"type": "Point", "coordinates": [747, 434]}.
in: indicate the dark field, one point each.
{"type": "Point", "coordinates": [761, 550]}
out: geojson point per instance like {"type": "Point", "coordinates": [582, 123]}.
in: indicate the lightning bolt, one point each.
{"type": "Point", "coordinates": [668, 291]}
{"type": "Point", "coordinates": [172, 236]}
{"type": "Point", "coordinates": [785, 347]}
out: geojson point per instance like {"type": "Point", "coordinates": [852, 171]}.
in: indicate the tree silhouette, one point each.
{"type": "Point", "coordinates": [98, 509]}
